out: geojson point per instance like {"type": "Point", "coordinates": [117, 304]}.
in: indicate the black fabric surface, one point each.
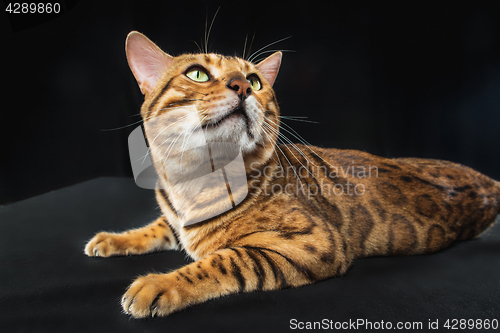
{"type": "Point", "coordinates": [47, 284]}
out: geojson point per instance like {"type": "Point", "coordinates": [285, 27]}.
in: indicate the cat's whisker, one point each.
{"type": "Point", "coordinates": [122, 127]}
{"type": "Point", "coordinates": [297, 149]}
{"type": "Point", "coordinates": [152, 142]}
{"type": "Point", "coordinates": [275, 158]}
{"type": "Point", "coordinates": [305, 143]}
{"type": "Point", "coordinates": [298, 119]}
{"type": "Point", "coordinates": [265, 47]}
{"type": "Point", "coordinates": [291, 165]}
{"type": "Point", "coordinates": [251, 43]}
{"type": "Point", "coordinates": [207, 36]}
{"type": "Point", "coordinates": [245, 46]}
{"type": "Point", "coordinates": [137, 122]}
{"type": "Point", "coordinates": [301, 140]}
{"type": "Point", "coordinates": [274, 149]}
{"type": "Point", "coordinates": [171, 146]}
{"type": "Point", "coordinates": [199, 48]}
{"type": "Point", "coordinates": [167, 137]}
{"type": "Point", "coordinates": [308, 161]}
{"type": "Point", "coordinates": [282, 153]}
{"type": "Point", "coordinates": [269, 51]}
{"type": "Point", "coordinates": [169, 150]}
{"type": "Point", "coordinates": [269, 138]}
{"type": "Point", "coordinates": [293, 144]}
{"type": "Point", "coordinates": [194, 129]}
{"type": "Point", "coordinates": [117, 128]}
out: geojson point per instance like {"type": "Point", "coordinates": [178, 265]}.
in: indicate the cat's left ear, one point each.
{"type": "Point", "coordinates": [146, 60]}
{"type": "Point", "coordinates": [270, 66]}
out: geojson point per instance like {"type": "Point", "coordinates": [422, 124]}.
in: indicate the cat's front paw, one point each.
{"type": "Point", "coordinates": [105, 244]}
{"type": "Point", "coordinates": [151, 295]}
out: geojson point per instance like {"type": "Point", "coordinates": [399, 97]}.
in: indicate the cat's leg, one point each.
{"type": "Point", "coordinates": [227, 271]}
{"type": "Point", "coordinates": [156, 236]}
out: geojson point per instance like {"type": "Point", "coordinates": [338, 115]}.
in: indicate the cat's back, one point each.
{"type": "Point", "coordinates": [428, 194]}
{"type": "Point", "coordinates": [411, 175]}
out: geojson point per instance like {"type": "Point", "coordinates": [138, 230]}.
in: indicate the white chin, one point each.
{"type": "Point", "coordinates": [233, 133]}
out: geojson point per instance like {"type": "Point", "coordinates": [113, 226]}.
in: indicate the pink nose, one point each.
{"type": "Point", "coordinates": [241, 85]}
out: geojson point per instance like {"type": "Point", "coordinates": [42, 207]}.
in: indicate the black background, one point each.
{"type": "Point", "coordinates": [393, 79]}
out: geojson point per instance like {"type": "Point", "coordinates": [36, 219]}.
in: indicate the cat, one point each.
{"type": "Point", "coordinates": [283, 234]}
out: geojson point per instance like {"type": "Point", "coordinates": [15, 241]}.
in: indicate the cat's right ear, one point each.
{"type": "Point", "coordinates": [146, 60]}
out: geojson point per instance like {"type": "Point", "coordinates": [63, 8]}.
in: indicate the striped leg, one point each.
{"type": "Point", "coordinates": [227, 271]}
{"type": "Point", "coordinates": [156, 236]}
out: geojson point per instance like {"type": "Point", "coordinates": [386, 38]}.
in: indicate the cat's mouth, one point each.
{"type": "Point", "coordinates": [239, 111]}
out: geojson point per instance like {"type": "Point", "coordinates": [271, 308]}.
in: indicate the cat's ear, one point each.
{"type": "Point", "coordinates": [270, 66]}
{"type": "Point", "coordinates": [146, 60]}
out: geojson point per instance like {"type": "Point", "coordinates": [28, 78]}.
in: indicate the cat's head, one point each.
{"type": "Point", "coordinates": [208, 97]}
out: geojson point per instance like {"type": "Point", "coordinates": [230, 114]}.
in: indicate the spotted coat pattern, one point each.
{"type": "Point", "coordinates": [280, 239]}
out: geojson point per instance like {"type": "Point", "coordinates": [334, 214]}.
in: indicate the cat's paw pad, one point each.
{"type": "Point", "coordinates": [151, 296]}
{"type": "Point", "coordinates": [103, 244]}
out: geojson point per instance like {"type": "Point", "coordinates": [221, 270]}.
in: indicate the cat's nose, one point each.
{"type": "Point", "coordinates": [241, 85]}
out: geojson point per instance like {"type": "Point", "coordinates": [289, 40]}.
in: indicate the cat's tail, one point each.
{"type": "Point", "coordinates": [497, 186]}
{"type": "Point", "coordinates": [489, 214]}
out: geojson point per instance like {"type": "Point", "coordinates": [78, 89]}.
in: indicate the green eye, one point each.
{"type": "Point", "coordinates": [255, 83]}
{"type": "Point", "coordinates": [198, 75]}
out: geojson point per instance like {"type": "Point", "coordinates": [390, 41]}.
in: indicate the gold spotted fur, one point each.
{"type": "Point", "coordinates": [278, 240]}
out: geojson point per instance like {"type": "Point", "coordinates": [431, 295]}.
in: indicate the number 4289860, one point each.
{"type": "Point", "coordinates": [33, 8]}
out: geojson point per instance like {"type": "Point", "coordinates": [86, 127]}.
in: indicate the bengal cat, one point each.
{"type": "Point", "coordinates": [283, 234]}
